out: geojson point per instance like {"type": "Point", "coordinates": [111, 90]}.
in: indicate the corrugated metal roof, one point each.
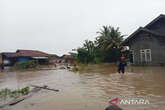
{"type": "Point", "coordinates": [31, 53]}
{"type": "Point", "coordinates": [26, 53]}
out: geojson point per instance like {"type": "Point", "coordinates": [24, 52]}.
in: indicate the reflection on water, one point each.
{"type": "Point", "coordinates": [95, 86]}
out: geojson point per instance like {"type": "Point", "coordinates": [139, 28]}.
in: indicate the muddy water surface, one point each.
{"type": "Point", "coordinates": [90, 89]}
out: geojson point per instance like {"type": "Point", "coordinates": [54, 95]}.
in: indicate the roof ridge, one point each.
{"type": "Point", "coordinates": [154, 20]}
{"type": "Point", "coordinates": [30, 50]}
{"type": "Point", "coordinates": [27, 50]}
{"type": "Point", "coordinates": [141, 29]}
{"type": "Point", "coordinates": [162, 14]}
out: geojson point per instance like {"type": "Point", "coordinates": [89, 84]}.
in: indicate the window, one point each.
{"type": "Point", "coordinates": [145, 55]}
{"type": "Point", "coordinates": [132, 56]}
{"type": "Point", "coordinates": [148, 55]}
{"type": "Point", "coordinates": [142, 55]}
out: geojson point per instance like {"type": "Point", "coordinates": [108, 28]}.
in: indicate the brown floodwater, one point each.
{"type": "Point", "coordinates": [91, 89]}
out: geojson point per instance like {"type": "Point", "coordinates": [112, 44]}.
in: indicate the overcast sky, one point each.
{"type": "Point", "coordinates": [58, 26]}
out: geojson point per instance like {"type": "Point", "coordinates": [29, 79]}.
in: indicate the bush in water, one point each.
{"type": "Point", "coordinates": [7, 93]}
{"type": "Point", "coordinates": [26, 64]}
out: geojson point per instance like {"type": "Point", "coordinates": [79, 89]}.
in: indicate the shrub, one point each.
{"type": "Point", "coordinates": [26, 64]}
{"type": "Point", "coordinates": [98, 59]}
{"type": "Point", "coordinates": [78, 68]}
{"type": "Point", "coordinates": [75, 69]}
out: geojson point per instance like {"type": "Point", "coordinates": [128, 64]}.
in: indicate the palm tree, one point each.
{"type": "Point", "coordinates": [109, 37]}
{"type": "Point", "coordinates": [90, 47]}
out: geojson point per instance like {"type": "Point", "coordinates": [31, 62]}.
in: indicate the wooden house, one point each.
{"type": "Point", "coordinates": [147, 44]}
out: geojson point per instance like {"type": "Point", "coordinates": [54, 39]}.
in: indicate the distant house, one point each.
{"type": "Point", "coordinates": [147, 44]}
{"type": "Point", "coordinates": [0, 59]}
{"type": "Point", "coordinates": [67, 59]}
{"type": "Point", "coordinates": [9, 58]}
{"type": "Point", "coordinates": [53, 58]}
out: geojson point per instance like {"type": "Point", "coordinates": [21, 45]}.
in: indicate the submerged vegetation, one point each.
{"type": "Point", "coordinates": [8, 93]}
{"type": "Point", "coordinates": [26, 64]}
{"type": "Point", "coordinates": [78, 68]}
{"type": "Point", "coordinates": [31, 64]}
{"type": "Point", "coordinates": [105, 48]}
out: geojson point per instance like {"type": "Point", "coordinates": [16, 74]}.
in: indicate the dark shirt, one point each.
{"type": "Point", "coordinates": [122, 64]}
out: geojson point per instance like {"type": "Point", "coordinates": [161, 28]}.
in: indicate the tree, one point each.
{"type": "Point", "coordinates": [108, 41]}
{"type": "Point", "coordinates": [86, 54]}
{"type": "Point", "coordinates": [106, 47]}
{"type": "Point", "coordinates": [90, 47]}
{"type": "Point", "coordinates": [109, 37]}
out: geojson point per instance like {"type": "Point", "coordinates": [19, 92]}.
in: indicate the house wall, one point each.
{"type": "Point", "coordinates": [0, 59]}
{"type": "Point", "coordinates": [147, 41]}
{"type": "Point", "coordinates": [8, 61]}
{"type": "Point", "coordinates": [21, 59]}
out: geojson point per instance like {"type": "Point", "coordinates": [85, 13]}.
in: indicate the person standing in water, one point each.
{"type": "Point", "coordinates": [2, 67]}
{"type": "Point", "coordinates": [122, 64]}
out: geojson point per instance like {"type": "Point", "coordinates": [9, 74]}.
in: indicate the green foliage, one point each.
{"type": "Point", "coordinates": [113, 55]}
{"type": "Point", "coordinates": [106, 47]}
{"type": "Point", "coordinates": [7, 93]}
{"type": "Point", "coordinates": [82, 56]}
{"type": "Point", "coordinates": [78, 68]}
{"type": "Point", "coordinates": [26, 64]}
{"type": "Point", "coordinates": [99, 56]}
{"type": "Point", "coordinates": [86, 54]}
{"type": "Point", "coordinates": [47, 61]}
{"type": "Point", "coordinates": [109, 37]}
{"type": "Point", "coordinates": [99, 59]}
{"type": "Point", "coordinates": [75, 69]}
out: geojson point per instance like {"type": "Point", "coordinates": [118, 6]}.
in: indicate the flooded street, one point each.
{"type": "Point", "coordinates": [91, 89]}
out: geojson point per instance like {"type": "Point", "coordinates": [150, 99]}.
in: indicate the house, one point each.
{"type": "Point", "coordinates": [0, 59]}
{"type": "Point", "coordinates": [147, 44]}
{"type": "Point", "coordinates": [10, 58]}
{"type": "Point", "coordinates": [68, 59]}
{"type": "Point", "coordinates": [53, 58]}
